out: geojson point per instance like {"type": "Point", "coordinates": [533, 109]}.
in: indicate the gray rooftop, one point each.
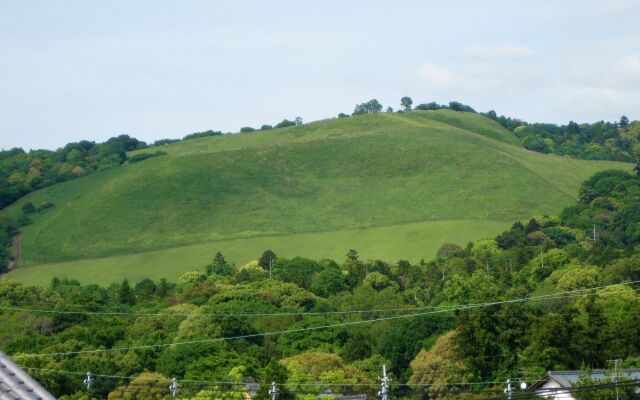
{"type": "Point", "coordinates": [569, 378]}
{"type": "Point", "coordinates": [15, 384]}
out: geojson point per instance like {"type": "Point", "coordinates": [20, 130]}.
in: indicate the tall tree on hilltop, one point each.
{"type": "Point", "coordinates": [624, 122]}
{"type": "Point", "coordinates": [406, 103]}
{"type": "Point", "coordinates": [370, 107]}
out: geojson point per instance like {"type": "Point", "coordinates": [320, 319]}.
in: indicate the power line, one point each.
{"type": "Point", "coordinates": [106, 376]}
{"type": "Point", "coordinates": [206, 383]}
{"type": "Point", "coordinates": [220, 386]}
{"type": "Point", "coordinates": [191, 381]}
{"type": "Point", "coordinates": [545, 297]}
{"type": "Point", "coordinates": [313, 328]}
{"type": "Point", "coordinates": [167, 314]}
{"type": "Point", "coordinates": [301, 313]}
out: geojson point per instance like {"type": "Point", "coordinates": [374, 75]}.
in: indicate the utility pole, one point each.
{"type": "Point", "coordinates": [384, 384]}
{"type": "Point", "coordinates": [616, 375]}
{"type": "Point", "coordinates": [174, 387]}
{"type": "Point", "coordinates": [88, 381]}
{"type": "Point", "coordinates": [274, 391]}
{"type": "Point", "coordinates": [595, 238]}
{"type": "Point", "coordinates": [270, 265]}
{"type": "Point", "coordinates": [509, 389]}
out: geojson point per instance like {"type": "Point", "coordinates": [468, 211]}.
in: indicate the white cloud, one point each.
{"type": "Point", "coordinates": [583, 86]}
{"type": "Point", "coordinates": [622, 73]}
{"type": "Point", "coordinates": [481, 74]}
{"type": "Point", "coordinates": [503, 52]}
{"type": "Point", "coordinates": [626, 70]}
{"type": "Point", "coordinates": [601, 91]}
{"type": "Point", "coordinates": [593, 103]}
{"type": "Point", "coordinates": [438, 78]}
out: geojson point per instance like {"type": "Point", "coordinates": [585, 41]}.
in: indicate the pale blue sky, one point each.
{"type": "Point", "coordinates": [72, 70]}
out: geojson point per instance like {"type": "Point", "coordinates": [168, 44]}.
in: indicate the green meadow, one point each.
{"type": "Point", "coordinates": [389, 185]}
{"type": "Point", "coordinates": [407, 241]}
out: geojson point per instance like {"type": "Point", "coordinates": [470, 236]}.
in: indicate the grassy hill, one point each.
{"type": "Point", "coordinates": [389, 185]}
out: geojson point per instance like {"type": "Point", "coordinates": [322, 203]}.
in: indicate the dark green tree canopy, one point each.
{"type": "Point", "coordinates": [370, 107]}
{"type": "Point", "coordinates": [406, 103]}
{"type": "Point", "coordinates": [267, 259]}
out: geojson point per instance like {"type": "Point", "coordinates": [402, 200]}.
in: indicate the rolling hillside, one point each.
{"type": "Point", "coordinates": [389, 185]}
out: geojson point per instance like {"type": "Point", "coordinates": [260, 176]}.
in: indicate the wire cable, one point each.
{"type": "Point", "coordinates": [286, 388]}
{"type": "Point", "coordinates": [191, 381]}
{"type": "Point", "coordinates": [313, 328]}
{"type": "Point", "coordinates": [301, 313]}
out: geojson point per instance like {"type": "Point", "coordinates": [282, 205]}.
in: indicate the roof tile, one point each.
{"type": "Point", "coordinates": [15, 384]}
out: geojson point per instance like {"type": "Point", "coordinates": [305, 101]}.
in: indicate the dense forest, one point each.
{"type": "Point", "coordinates": [617, 141]}
{"type": "Point", "coordinates": [596, 141]}
{"type": "Point", "coordinates": [22, 172]}
{"type": "Point", "coordinates": [550, 293]}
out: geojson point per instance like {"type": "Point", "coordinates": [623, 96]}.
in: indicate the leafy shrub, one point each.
{"type": "Point", "coordinates": [28, 208]}
{"type": "Point", "coordinates": [23, 220]}
{"type": "Point", "coordinates": [45, 206]}
{"type": "Point", "coordinates": [192, 278]}
{"type": "Point", "coordinates": [457, 106]}
{"type": "Point", "coordinates": [285, 123]}
{"type": "Point", "coordinates": [197, 135]}
{"type": "Point", "coordinates": [144, 156]}
{"type": "Point", "coordinates": [163, 142]}
{"type": "Point", "coordinates": [429, 106]}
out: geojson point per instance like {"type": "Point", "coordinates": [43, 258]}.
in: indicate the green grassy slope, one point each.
{"type": "Point", "coordinates": [411, 241]}
{"type": "Point", "coordinates": [357, 173]}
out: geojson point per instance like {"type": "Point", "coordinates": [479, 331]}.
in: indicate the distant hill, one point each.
{"type": "Point", "coordinates": [390, 185]}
